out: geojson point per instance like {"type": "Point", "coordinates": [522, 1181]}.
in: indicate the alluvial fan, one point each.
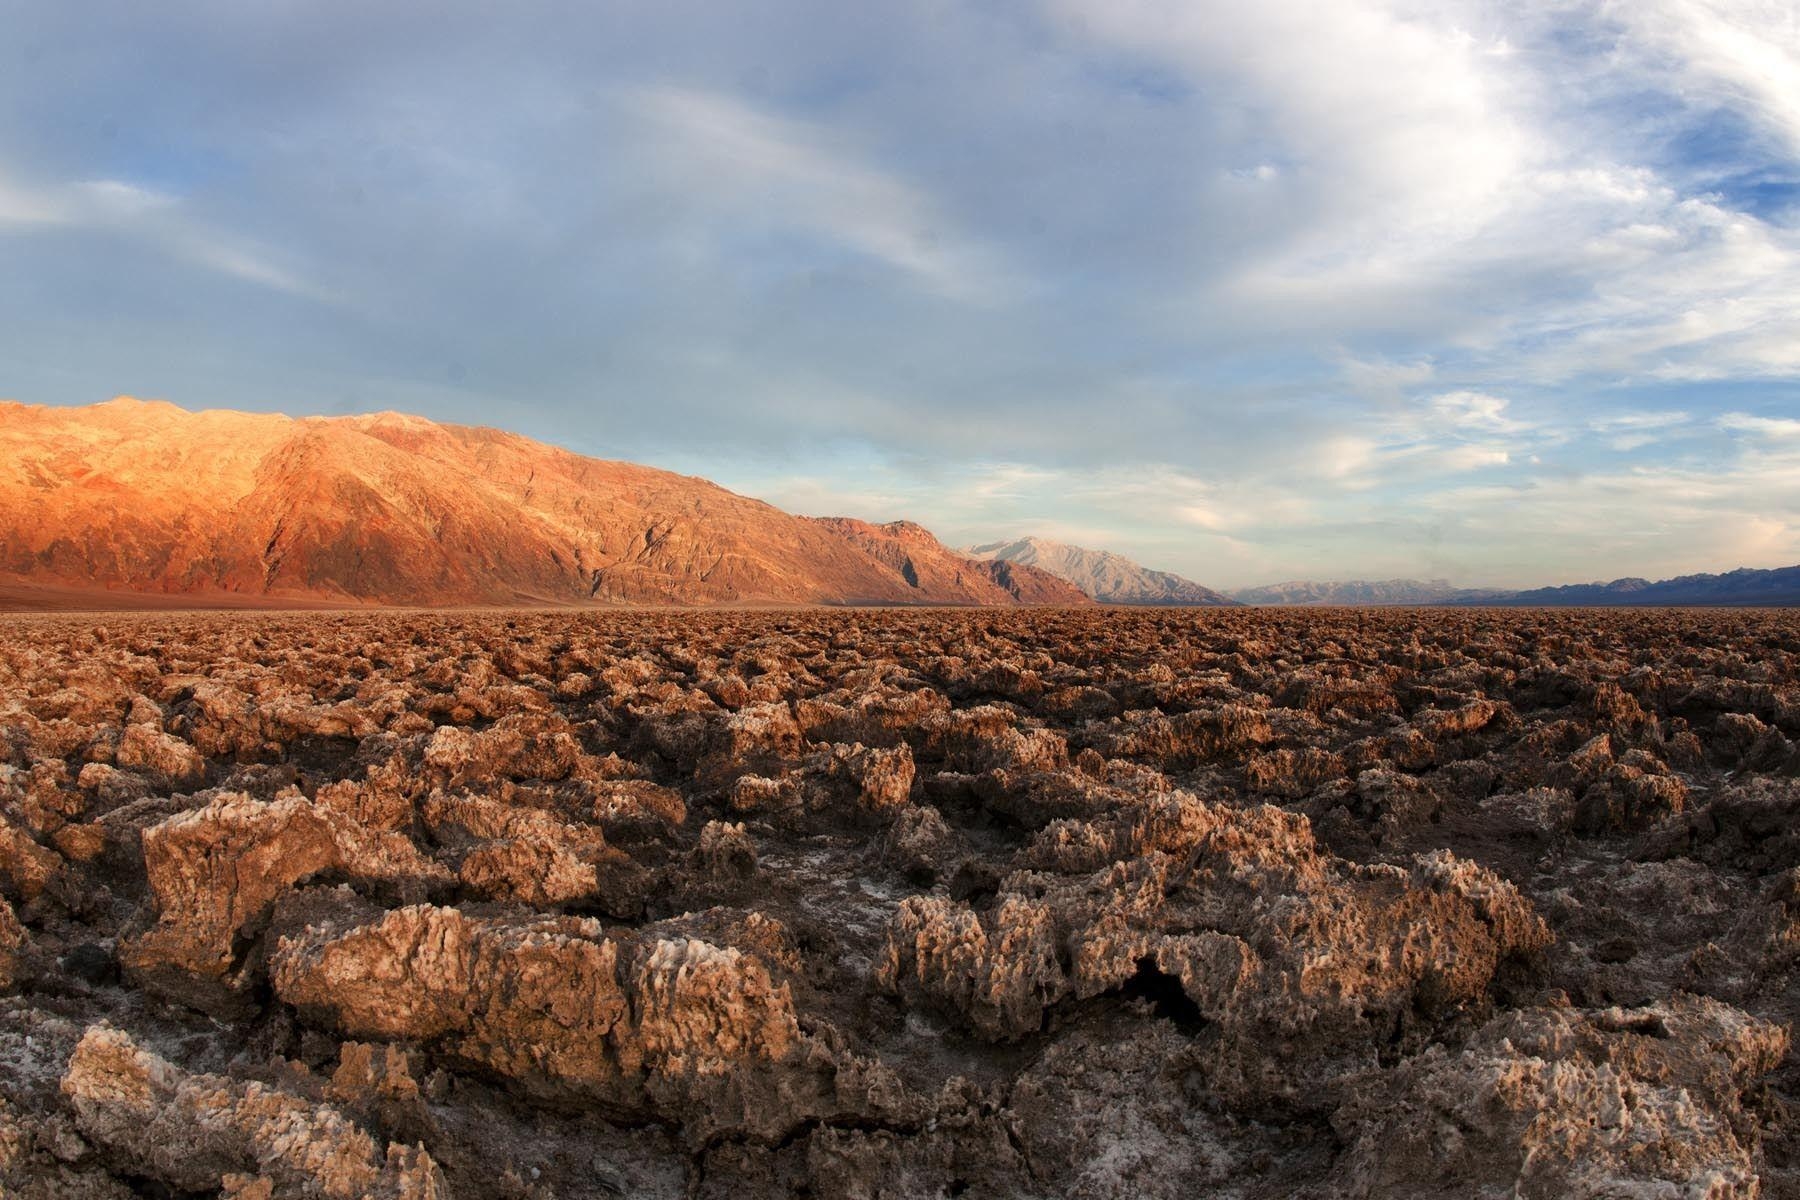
{"type": "Point", "coordinates": [1033, 903]}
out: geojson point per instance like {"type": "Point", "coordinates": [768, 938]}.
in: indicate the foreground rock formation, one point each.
{"type": "Point", "coordinates": [120, 503]}
{"type": "Point", "coordinates": [1028, 904]}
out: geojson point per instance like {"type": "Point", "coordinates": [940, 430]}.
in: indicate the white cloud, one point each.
{"type": "Point", "coordinates": [1780, 428]}
{"type": "Point", "coordinates": [1628, 431]}
{"type": "Point", "coordinates": [22, 207]}
{"type": "Point", "coordinates": [1470, 458]}
{"type": "Point", "coordinates": [1009, 480]}
{"type": "Point", "coordinates": [1408, 109]}
{"type": "Point", "coordinates": [1742, 54]}
{"type": "Point", "coordinates": [1384, 380]}
{"type": "Point", "coordinates": [1474, 410]}
{"type": "Point", "coordinates": [1341, 456]}
{"type": "Point", "coordinates": [117, 200]}
{"type": "Point", "coordinates": [1434, 166]}
{"type": "Point", "coordinates": [1654, 520]}
{"type": "Point", "coordinates": [782, 172]}
{"type": "Point", "coordinates": [1203, 515]}
{"type": "Point", "coordinates": [129, 210]}
{"type": "Point", "coordinates": [1638, 420]}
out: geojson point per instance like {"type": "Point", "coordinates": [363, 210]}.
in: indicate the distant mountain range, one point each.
{"type": "Point", "coordinates": [133, 503]}
{"type": "Point", "coordinates": [137, 504]}
{"type": "Point", "coordinates": [1107, 577]}
{"type": "Point", "coordinates": [1744, 587]}
{"type": "Point", "coordinates": [1352, 593]}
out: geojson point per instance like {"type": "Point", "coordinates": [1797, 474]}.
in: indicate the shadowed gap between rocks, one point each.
{"type": "Point", "coordinates": [1165, 995]}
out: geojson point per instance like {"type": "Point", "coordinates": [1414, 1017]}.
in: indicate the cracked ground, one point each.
{"type": "Point", "coordinates": [1102, 903]}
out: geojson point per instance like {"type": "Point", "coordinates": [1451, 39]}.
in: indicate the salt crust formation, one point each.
{"type": "Point", "coordinates": [918, 904]}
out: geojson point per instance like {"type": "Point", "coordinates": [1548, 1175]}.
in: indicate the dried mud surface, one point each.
{"type": "Point", "coordinates": [900, 904]}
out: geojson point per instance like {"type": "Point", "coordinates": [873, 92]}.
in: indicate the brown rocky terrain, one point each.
{"type": "Point", "coordinates": [127, 503]}
{"type": "Point", "coordinates": [1100, 903]}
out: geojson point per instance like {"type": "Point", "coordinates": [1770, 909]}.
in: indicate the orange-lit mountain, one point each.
{"type": "Point", "coordinates": [133, 498]}
{"type": "Point", "coordinates": [932, 567]}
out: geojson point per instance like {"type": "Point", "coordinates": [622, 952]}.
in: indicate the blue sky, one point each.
{"type": "Point", "coordinates": [1504, 293]}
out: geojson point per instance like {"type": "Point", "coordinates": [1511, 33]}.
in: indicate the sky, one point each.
{"type": "Point", "coordinates": [1503, 293]}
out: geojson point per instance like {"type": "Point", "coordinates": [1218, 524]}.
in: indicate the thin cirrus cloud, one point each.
{"type": "Point", "coordinates": [1776, 428]}
{"type": "Point", "coordinates": [1628, 431]}
{"type": "Point", "coordinates": [112, 207]}
{"type": "Point", "coordinates": [1504, 293]}
{"type": "Point", "coordinates": [1744, 56]}
{"type": "Point", "coordinates": [765, 171]}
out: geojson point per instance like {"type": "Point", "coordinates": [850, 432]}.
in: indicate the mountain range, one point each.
{"type": "Point", "coordinates": [1352, 593]}
{"type": "Point", "coordinates": [1107, 577]}
{"type": "Point", "coordinates": [144, 499]}
{"type": "Point", "coordinates": [140, 503]}
{"type": "Point", "coordinates": [1746, 586]}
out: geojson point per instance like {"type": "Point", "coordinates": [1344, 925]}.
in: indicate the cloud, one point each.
{"type": "Point", "coordinates": [1436, 167]}
{"type": "Point", "coordinates": [1638, 421]}
{"type": "Point", "coordinates": [1774, 428]}
{"type": "Point", "coordinates": [1468, 458]}
{"type": "Point", "coordinates": [1384, 381]}
{"type": "Point", "coordinates": [1009, 480]}
{"type": "Point", "coordinates": [1265, 290]}
{"type": "Point", "coordinates": [22, 207]}
{"type": "Point", "coordinates": [1474, 410]}
{"type": "Point", "coordinates": [1741, 54]}
{"type": "Point", "coordinates": [118, 208]}
{"type": "Point", "coordinates": [115, 200]}
{"type": "Point", "coordinates": [1654, 520]}
{"type": "Point", "coordinates": [781, 172]}
{"type": "Point", "coordinates": [1628, 431]}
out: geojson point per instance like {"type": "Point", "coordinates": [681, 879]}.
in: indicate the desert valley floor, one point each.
{"type": "Point", "coordinates": [1095, 903]}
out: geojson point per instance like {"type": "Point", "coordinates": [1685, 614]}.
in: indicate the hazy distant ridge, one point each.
{"type": "Point", "coordinates": [1359, 592]}
{"type": "Point", "coordinates": [1107, 577]}
{"type": "Point", "coordinates": [1746, 586]}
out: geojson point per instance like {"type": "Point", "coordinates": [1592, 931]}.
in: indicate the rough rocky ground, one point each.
{"type": "Point", "coordinates": [915, 904]}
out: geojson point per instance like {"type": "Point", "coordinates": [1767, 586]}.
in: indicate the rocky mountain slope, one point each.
{"type": "Point", "coordinates": [219, 507]}
{"type": "Point", "coordinates": [931, 567]}
{"type": "Point", "coordinates": [1107, 577]}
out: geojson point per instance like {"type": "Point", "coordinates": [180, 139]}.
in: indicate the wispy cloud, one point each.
{"type": "Point", "coordinates": [1474, 411]}
{"type": "Point", "coordinates": [778, 172]}
{"type": "Point", "coordinates": [1780, 428]}
{"type": "Point", "coordinates": [1740, 54]}
{"type": "Point", "coordinates": [1628, 431]}
{"type": "Point", "coordinates": [122, 209]}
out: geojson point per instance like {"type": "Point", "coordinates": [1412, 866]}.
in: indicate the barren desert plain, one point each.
{"type": "Point", "coordinates": [1009, 903]}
